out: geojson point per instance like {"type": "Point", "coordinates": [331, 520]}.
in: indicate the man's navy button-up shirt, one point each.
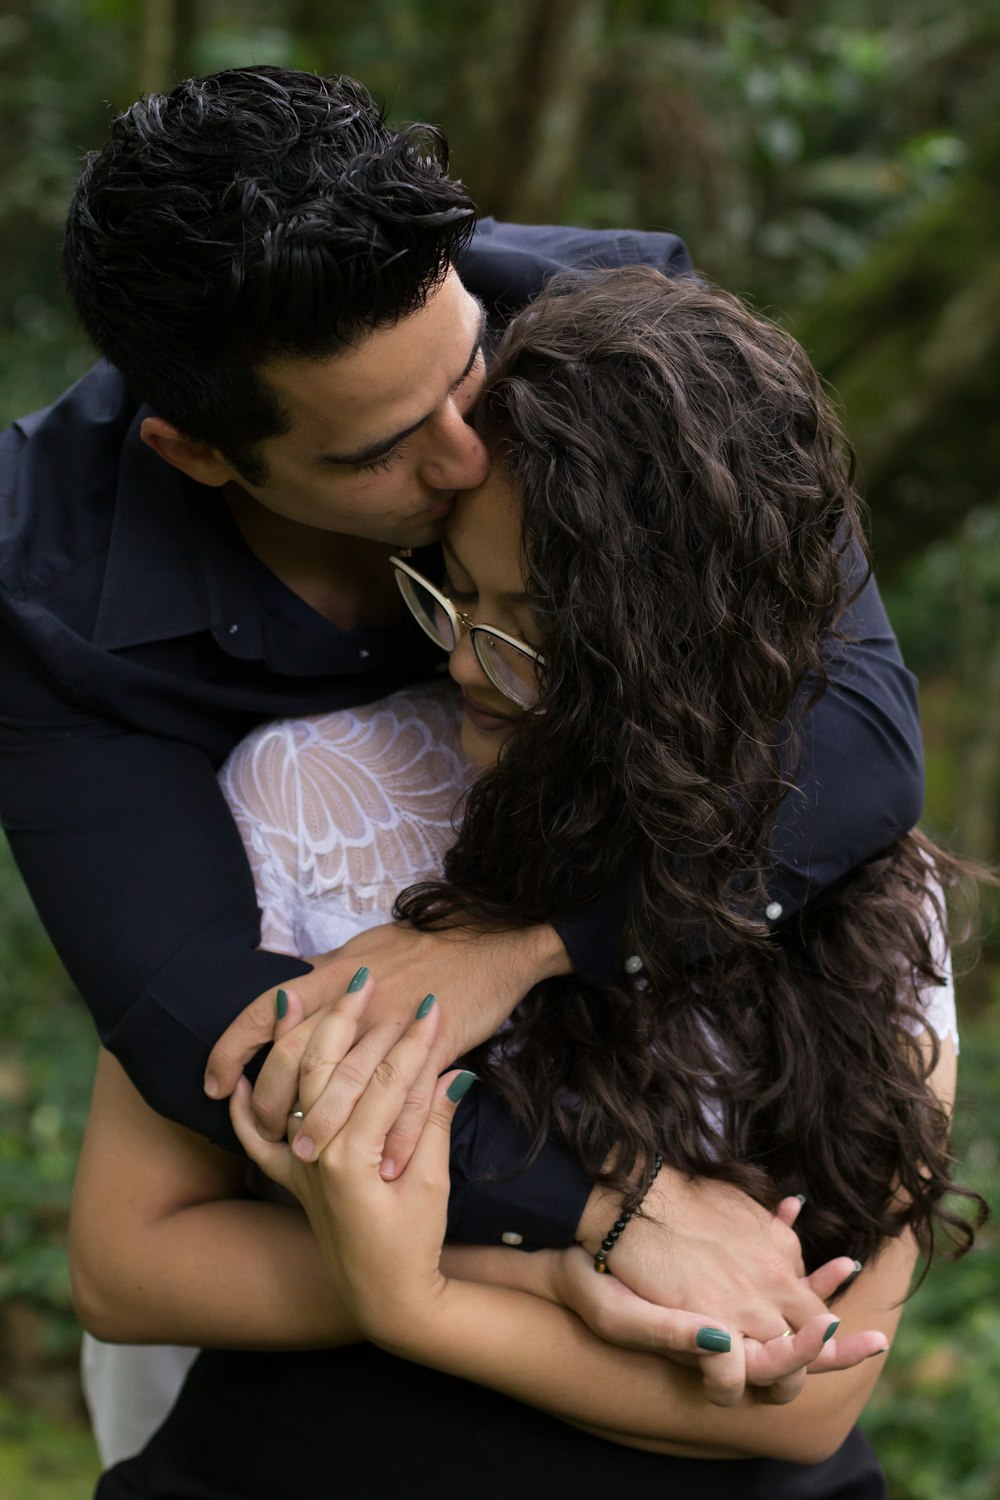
{"type": "Point", "coordinates": [140, 640]}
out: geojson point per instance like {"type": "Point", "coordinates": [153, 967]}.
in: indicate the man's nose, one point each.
{"type": "Point", "coordinates": [455, 455]}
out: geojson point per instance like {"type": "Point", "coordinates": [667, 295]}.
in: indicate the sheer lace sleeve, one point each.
{"type": "Point", "coordinates": [259, 783]}
{"type": "Point", "coordinates": [938, 1001]}
{"type": "Point", "coordinates": [342, 811]}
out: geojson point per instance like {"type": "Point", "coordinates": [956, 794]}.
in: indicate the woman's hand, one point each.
{"type": "Point", "coordinates": [731, 1365]}
{"type": "Point", "coordinates": [381, 1240]}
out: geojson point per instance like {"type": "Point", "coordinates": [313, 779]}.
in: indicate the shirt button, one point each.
{"type": "Point", "coordinates": [362, 653]}
{"type": "Point", "coordinates": [633, 964]}
{"type": "Point", "coordinates": [511, 1237]}
{"type": "Point", "coordinates": [773, 910]}
{"type": "Point", "coordinates": [233, 629]}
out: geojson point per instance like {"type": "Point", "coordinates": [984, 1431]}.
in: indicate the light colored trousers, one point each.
{"type": "Point", "coordinates": [129, 1389]}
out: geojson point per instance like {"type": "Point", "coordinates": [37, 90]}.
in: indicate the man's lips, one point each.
{"type": "Point", "coordinates": [485, 717]}
{"type": "Point", "coordinates": [440, 509]}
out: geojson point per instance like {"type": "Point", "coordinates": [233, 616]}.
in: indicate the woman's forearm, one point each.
{"type": "Point", "coordinates": [244, 1274]}
{"type": "Point", "coordinates": [236, 1274]}
{"type": "Point", "coordinates": [232, 1275]}
{"type": "Point", "coordinates": [541, 1354]}
{"type": "Point", "coordinates": [249, 1274]}
{"type": "Point", "coordinates": [164, 1250]}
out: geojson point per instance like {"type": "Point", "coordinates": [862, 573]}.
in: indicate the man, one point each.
{"type": "Point", "coordinates": [294, 304]}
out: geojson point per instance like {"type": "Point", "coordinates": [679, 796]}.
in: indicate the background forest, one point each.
{"type": "Point", "coordinates": [835, 161]}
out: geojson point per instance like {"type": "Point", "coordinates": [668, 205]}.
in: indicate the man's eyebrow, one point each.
{"type": "Point", "coordinates": [384, 445]}
{"type": "Point", "coordinates": [449, 551]}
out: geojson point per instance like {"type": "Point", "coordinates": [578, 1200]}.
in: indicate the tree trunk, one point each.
{"type": "Point", "coordinates": [157, 44]}
{"type": "Point", "coordinates": [978, 783]}
{"type": "Point", "coordinates": [911, 342]}
{"type": "Point", "coordinates": [17, 58]}
{"type": "Point", "coordinates": [557, 62]}
{"type": "Point", "coordinates": [168, 44]}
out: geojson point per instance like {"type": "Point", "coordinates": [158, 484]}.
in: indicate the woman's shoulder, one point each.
{"type": "Point", "coordinates": [400, 747]}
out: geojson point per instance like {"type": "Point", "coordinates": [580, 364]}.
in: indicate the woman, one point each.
{"type": "Point", "coordinates": [661, 560]}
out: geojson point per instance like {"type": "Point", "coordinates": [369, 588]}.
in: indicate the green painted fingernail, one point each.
{"type": "Point", "coordinates": [828, 1335]}
{"type": "Point", "coordinates": [460, 1086]}
{"type": "Point", "coordinates": [801, 1197]}
{"type": "Point", "coordinates": [715, 1339]}
{"type": "Point", "coordinates": [281, 1004]}
{"type": "Point", "coordinates": [358, 980]}
{"type": "Point", "coordinates": [851, 1278]}
{"type": "Point", "coordinates": [425, 1006]}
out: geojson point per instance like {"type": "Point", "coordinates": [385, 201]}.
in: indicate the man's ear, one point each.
{"type": "Point", "coordinates": [198, 461]}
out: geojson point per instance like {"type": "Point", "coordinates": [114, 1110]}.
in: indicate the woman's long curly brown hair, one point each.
{"type": "Point", "coordinates": [689, 528]}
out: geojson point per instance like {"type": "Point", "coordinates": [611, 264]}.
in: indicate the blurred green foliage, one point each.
{"type": "Point", "coordinates": [838, 162]}
{"type": "Point", "coordinates": [932, 1419]}
{"type": "Point", "coordinates": [48, 1055]}
{"type": "Point", "coordinates": [43, 1458]}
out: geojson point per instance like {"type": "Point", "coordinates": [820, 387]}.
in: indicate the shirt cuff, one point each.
{"type": "Point", "coordinates": [592, 935]}
{"type": "Point", "coordinates": [533, 1207]}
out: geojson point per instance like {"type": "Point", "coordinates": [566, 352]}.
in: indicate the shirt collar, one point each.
{"type": "Point", "coordinates": [171, 566]}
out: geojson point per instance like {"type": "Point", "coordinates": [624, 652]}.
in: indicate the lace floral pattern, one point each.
{"type": "Point", "coordinates": [341, 812]}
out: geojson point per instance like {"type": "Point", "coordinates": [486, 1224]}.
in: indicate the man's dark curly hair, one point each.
{"type": "Point", "coordinates": [254, 213]}
{"type": "Point", "coordinates": [688, 512]}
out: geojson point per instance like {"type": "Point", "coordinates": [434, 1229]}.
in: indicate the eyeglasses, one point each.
{"type": "Point", "coordinates": [510, 664]}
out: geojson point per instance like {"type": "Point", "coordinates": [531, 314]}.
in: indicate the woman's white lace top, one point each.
{"type": "Point", "coordinates": [341, 812]}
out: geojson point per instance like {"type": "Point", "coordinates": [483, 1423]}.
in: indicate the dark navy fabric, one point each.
{"type": "Point", "coordinates": [356, 1421]}
{"type": "Point", "coordinates": [140, 640]}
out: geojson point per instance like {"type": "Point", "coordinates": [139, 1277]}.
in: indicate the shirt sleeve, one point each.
{"type": "Point", "coordinates": [859, 778]}
{"type": "Point", "coordinates": [134, 863]}
{"type": "Point", "coordinates": [493, 1198]}
{"type": "Point", "coordinates": [508, 264]}
{"type": "Point", "coordinates": [859, 784]}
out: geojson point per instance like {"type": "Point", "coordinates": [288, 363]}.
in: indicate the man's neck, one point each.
{"type": "Point", "coordinates": [346, 579]}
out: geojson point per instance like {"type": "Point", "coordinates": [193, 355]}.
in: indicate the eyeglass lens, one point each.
{"type": "Point", "coordinates": [429, 612]}
{"type": "Point", "coordinates": [508, 669]}
{"type": "Point", "coordinates": [511, 671]}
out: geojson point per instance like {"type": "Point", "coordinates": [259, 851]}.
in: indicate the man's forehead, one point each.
{"type": "Point", "coordinates": [391, 381]}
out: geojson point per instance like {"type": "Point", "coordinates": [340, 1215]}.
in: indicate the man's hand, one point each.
{"type": "Point", "coordinates": [478, 978]}
{"type": "Point", "coordinates": [708, 1249]}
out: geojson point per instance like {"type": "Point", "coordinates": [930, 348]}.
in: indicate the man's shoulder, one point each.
{"type": "Point", "coordinates": [59, 472]}
{"type": "Point", "coordinates": [96, 410]}
{"type": "Point", "coordinates": [508, 264]}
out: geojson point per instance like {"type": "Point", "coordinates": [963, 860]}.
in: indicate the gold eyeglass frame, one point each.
{"type": "Point", "coordinates": [479, 635]}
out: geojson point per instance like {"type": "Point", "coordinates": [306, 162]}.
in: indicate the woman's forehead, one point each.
{"type": "Point", "coordinates": [483, 534]}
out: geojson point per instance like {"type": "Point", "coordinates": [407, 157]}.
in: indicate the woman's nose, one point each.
{"type": "Point", "coordinates": [463, 664]}
{"type": "Point", "coordinates": [455, 454]}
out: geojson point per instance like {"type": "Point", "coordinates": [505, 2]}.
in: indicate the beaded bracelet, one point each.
{"type": "Point", "coordinates": [608, 1242]}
